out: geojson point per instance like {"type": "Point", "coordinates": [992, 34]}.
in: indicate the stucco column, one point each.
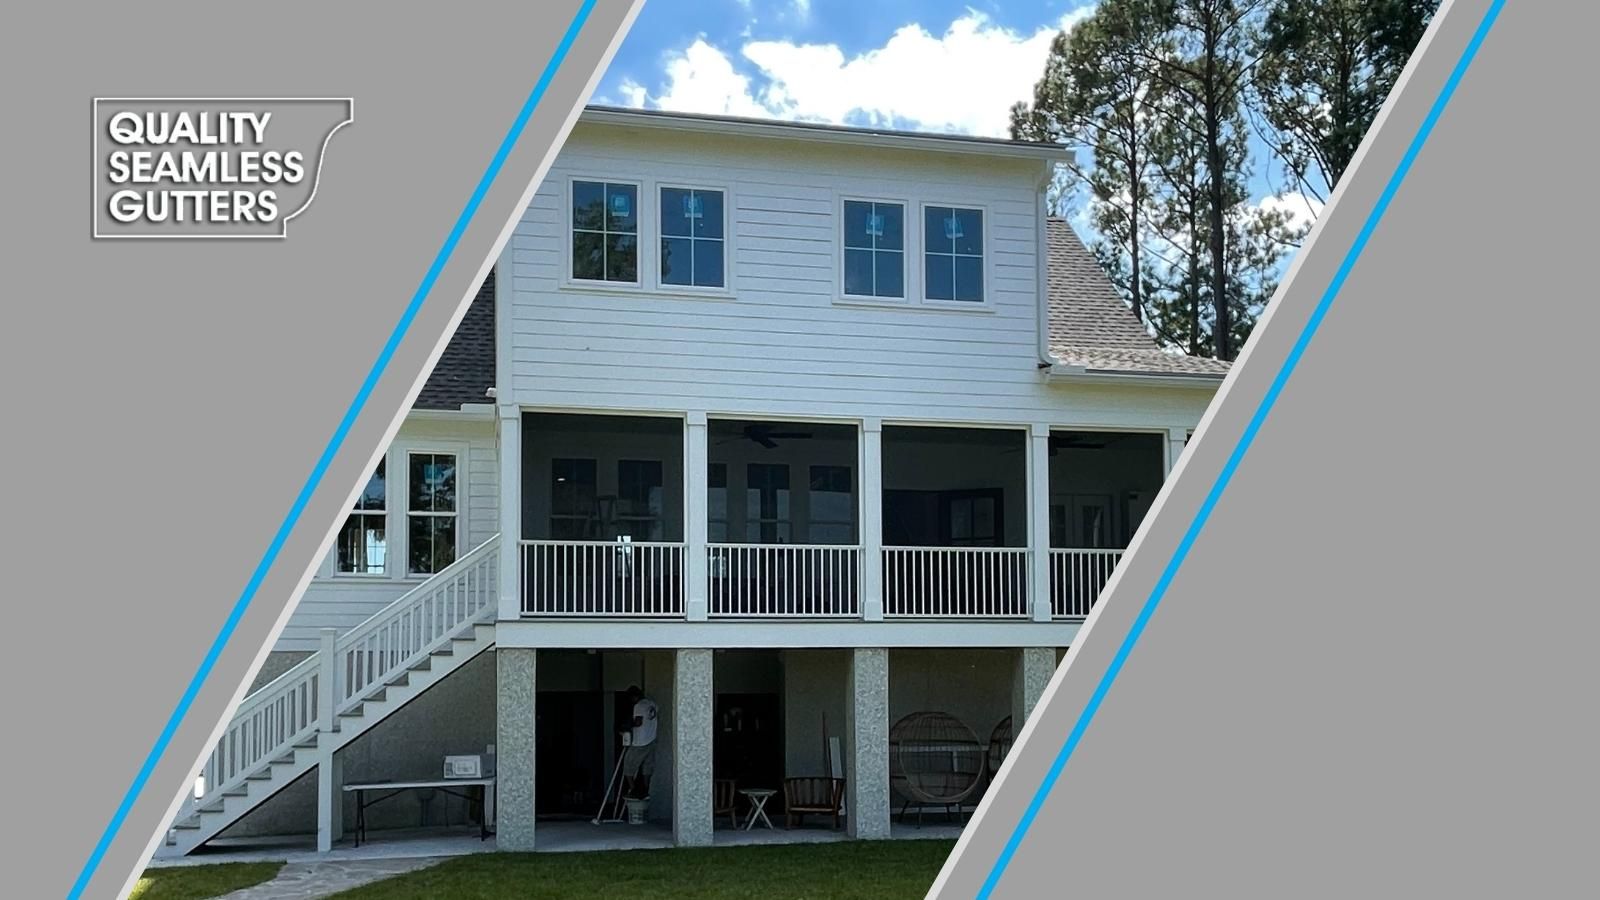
{"type": "Point", "coordinates": [871, 468]}
{"type": "Point", "coordinates": [867, 772]}
{"type": "Point", "coordinates": [1034, 666]}
{"type": "Point", "coordinates": [1039, 521]}
{"type": "Point", "coordinates": [330, 801]}
{"type": "Point", "coordinates": [691, 748]}
{"type": "Point", "coordinates": [516, 674]}
{"type": "Point", "coordinates": [695, 523]}
{"type": "Point", "coordinates": [510, 512]}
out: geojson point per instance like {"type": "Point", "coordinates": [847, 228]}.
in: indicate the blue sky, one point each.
{"type": "Point", "coordinates": [935, 66]}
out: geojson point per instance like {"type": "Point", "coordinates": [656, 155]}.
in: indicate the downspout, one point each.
{"type": "Point", "coordinates": [1042, 274]}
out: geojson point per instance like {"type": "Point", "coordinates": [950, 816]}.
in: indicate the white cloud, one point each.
{"type": "Point", "coordinates": [962, 80]}
{"type": "Point", "coordinates": [1301, 209]}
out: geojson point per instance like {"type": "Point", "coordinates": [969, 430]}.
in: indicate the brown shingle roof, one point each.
{"type": "Point", "coordinates": [466, 368]}
{"type": "Point", "coordinates": [1091, 326]}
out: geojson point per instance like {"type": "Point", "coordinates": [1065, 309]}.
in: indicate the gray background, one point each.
{"type": "Point", "coordinates": [1374, 675]}
{"type": "Point", "coordinates": [166, 400]}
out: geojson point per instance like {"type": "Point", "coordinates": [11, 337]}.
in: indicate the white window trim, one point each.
{"type": "Point", "coordinates": [690, 290]}
{"type": "Point", "coordinates": [330, 565]}
{"type": "Point", "coordinates": [402, 569]}
{"type": "Point", "coordinates": [646, 208]}
{"type": "Point", "coordinates": [987, 303]}
{"type": "Point", "coordinates": [911, 246]}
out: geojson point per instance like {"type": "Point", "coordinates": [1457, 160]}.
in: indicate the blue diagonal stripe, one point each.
{"type": "Point", "coordinates": [1245, 440]}
{"type": "Point", "coordinates": [331, 450]}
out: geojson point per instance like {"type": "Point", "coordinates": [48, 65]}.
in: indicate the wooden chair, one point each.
{"type": "Point", "coordinates": [723, 797]}
{"type": "Point", "coordinates": [811, 795]}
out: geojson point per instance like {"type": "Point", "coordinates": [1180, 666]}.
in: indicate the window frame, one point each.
{"type": "Point", "coordinates": [658, 522]}
{"type": "Point", "coordinates": [642, 214]}
{"type": "Point", "coordinates": [388, 525]}
{"type": "Point", "coordinates": [460, 452]}
{"type": "Point", "coordinates": [661, 287]}
{"type": "Point", "coordinates": [911, 244]}
{"type": "Point", "coordinates": [986, 268]}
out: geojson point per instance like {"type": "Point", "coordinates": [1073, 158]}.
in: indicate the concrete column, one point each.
{"type": "Point", "coordinates": [510, 512]}
{"type": "Point", "coordinates": [516, 676]}
{"type": "Point", "coordinates": [1177, 439]}
{"type": "Point", "coordinates": [871, 468]}
{"type": "Point", "coordinates": [1031, 676]}
{"type": "Point", "coordinates": [1039, 521]}
{"type": "Point", "coordinates": [330, 801]}
{"type": "Point", "coordinates": [695, 524]}
{"type": "Point", "coordinates": [867, 763]}
{"type": "Point", "coordinates": [691, 748]}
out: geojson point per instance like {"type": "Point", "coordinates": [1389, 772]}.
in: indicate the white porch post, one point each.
{"type": "Point", "coordinates": [327, 677]}
{"type": "Point", "coordinates": [695, 527]}
{"type": "Point", "coordinates": [510, 512]}
{"type": "Point", "coordinates": [1177, 439]}
{"type": "Point", "coordinates": [871, 469]}
{"type": "Point", "coordinates": [330, 800]}
{"type": "Point", "coordinates": [1039, 520]}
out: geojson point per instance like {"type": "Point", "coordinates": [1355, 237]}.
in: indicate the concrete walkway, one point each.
{"type": "Point", "coordinates": [305, 881]}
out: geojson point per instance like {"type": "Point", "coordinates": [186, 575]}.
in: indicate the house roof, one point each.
{"type": "Point", "coordinates": [824, 132]}
{"type": "Point", "coordinates": [466, 369]}
{"type": "Point", "coordinates": [1092, 328]}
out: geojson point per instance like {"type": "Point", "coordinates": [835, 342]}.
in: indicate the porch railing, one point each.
{"type": "Point", "coordinates": [783, 580]}
{"type": "Point", "coordinates": [602, 578]}
{"type": "Point", "coordinates": [955, 582]}
{"type": "Point", "coordinates": [1077, 576]}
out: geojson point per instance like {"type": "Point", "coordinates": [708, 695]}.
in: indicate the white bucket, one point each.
{"type": "Point", "coordinates": [636, 810]}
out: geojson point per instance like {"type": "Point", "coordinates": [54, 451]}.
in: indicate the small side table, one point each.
{"type": "Point", "coordinates": [757, 798]}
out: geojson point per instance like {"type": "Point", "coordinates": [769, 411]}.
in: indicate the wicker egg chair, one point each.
{"type": "Point", "coordinates": [934, 761]}
{"type": "Point", "coordinates": [1000, 740]}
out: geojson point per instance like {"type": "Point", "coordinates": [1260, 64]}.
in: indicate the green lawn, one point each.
{"type": "Point", "coordinates": [200, 882]}
{"type": "Point", "coordinates": [876, 870]}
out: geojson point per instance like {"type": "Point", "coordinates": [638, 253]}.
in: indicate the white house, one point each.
{"type": "Point", "coordinates": [804, 430]}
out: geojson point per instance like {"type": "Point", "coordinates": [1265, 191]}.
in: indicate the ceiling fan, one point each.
{"type": "Point", "coordinates": [768, 436]}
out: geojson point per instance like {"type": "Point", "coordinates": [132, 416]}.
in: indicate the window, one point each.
{"type": "Point", "coordinates": [691, 238]}
{"type": "Point", "coordinates": [639, 500]}
{"type": "Point", "coordinates": [717, 503]}
{"type": "Point", "coordinates": [364, 540]}
{"type": "Point", "coordinates": [953, 254]}
{"type": "Point", "coordinates": [572, 499]}
{"type": "Point", "coordinates": [766, 515]}
{"type": "Point", "coordinates": [833, 508]}
{"type": "Point", "coordinates": [874, 249]}
{"type": "Point", "coordinates": [605, 231]}
{"type": "Point", "coordinates": [431, 512]}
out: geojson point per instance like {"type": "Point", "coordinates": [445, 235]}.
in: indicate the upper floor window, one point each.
{"type": "Point", "coordinates": [364, 540]}
{"type": "Point", "coordinates": [953, 253]}
{"type": "Point", "coordinates": [874, 249]}
{"type": "Point", "coordinates": [640, 503]}
{"type": "Point", "coordinates": [692, 237]}
{"type": "Point", "coordinates": [431, 512]}
{"type": "Point", "coordinates": [605, 231]}
{"type": "Point", "coordinates": [766, 516]}
{"type": "Point", "coordinates": [832, 505]}
{"type": "Point", "coordinates": [573, 500]}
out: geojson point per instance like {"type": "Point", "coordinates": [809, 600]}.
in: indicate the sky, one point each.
{"type": "Point", "coordinates": [923, 66]}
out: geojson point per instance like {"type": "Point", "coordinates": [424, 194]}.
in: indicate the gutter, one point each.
{"type": "Point", "coordinates": [1082, 375]}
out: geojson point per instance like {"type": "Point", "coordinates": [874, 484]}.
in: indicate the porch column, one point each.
{"type": "Point", "coordinates": [871, 469]}
{"type": "Point", "coordinates": [1177, 439]}
{"type": "Point", "coordinates": [1039, 520]}
{"type": "Point", "coordinates": [867, 773]}
{"type": "Point", "coordinates": [516, 671]}
{"type": "Point", "coordinates": [330, 800]}
{"type": "Point", "coordinates": [695, 527]}
{"type": "Point", "coordinates": [510, 512]}
{"type": "Point", "coordinates": [1030, 676]}
{"type": "Point", "coordinates": [692, 715]}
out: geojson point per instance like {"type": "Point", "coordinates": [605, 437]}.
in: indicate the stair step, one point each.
{"type": "Point", "coordinates": [443, 651]}
{"type": "Point", "coordinates": [263, 775]}
{"type": "Point", "coordinates": [353, 712]}
{"type": "Point", "coordinates": [309, 743]}
{"type": "Point", "coordinates": [284, 760]}
{"type": "Point", "coordinates": [421, 665]}
{"type": "Point", "coordinates": [190, 825]}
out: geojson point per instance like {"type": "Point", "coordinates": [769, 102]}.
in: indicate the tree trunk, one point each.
{"type": "Point", "coordinates": [1221, 338]}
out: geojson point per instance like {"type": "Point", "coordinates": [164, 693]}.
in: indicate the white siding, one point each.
{"type": "Point", "coordinates": [342, 602]}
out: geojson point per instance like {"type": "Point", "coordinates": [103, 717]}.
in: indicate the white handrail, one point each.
{"type": "Point", "coordinates": [783, 580]}
{"type": "Point", "coordinates": [636, 579]}
{"type": "Point", "coordinates": [289, 709]}
{"type": "Point", "coordinates": [955, 582]}
{"type": "Point", "coordinates": [1077, 576]}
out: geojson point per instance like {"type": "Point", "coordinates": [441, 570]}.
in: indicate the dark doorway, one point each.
{"type": "Point", "coordinates": [748, 741]}
{"type": "Point", "coordinates": [570, 747]}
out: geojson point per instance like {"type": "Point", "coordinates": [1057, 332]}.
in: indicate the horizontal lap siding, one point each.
{"type": "Point", "coordinates": [783, 343]}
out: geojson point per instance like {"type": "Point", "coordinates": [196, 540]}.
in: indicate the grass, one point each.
{"type": "Point", "coordinates": [876, 870]}
{"type": "Point", "coordinates": [200, 882]}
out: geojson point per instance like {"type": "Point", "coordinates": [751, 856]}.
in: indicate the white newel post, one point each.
{"type": "Point", "coordinates": [1177, 439]}
{"type": "Point", "coordinates": [695, 520]}
{"type": "Point", "coordinates": [327, 677]}
{"type": "Point", "coordinates": [872, 520]}
{"type": "Point", "coordinates": [510, 512]}
{"type": "Point", "coordinates": [1039, 520]}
